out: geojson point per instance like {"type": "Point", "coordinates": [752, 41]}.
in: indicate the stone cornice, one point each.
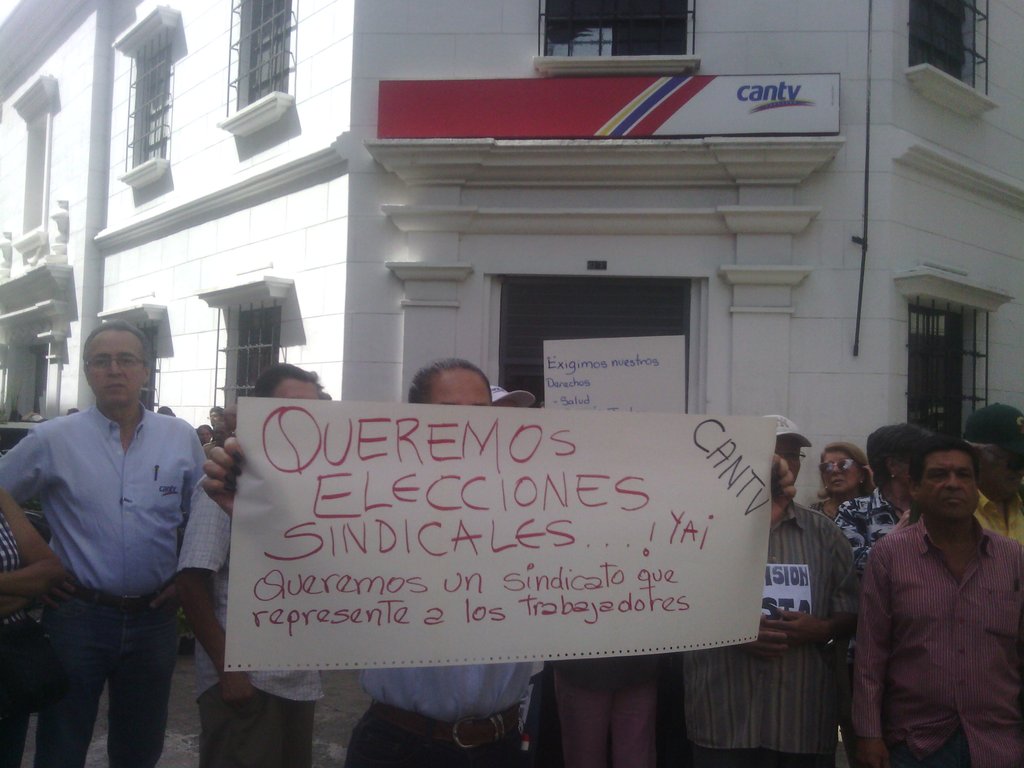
{"type": "Point", "coordinates": [599, 221]}
{"type": "Point", "coordinates": [929, 282]}
{"type": "Point", "coordinates": [241, 191]}
{"type": "Point", "coordinates": [771, 274]}
{"type": "Point", "coordinates": [592, 66]}
{"type": "Point", "coordinates": [983, 182]}
{"type": "Point", "coordinates": [266, 288]}
{"type": "Point", "coordinates": [602, 162]}
{"type": "Point", "coordinates": [140, 314]}
{"type": "Point", "coordinates": [162, 20]}
{"type": "Point", "coordinates": [946, 91]}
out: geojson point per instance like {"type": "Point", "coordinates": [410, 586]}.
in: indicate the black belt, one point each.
{"type": "Point", "coordinates": [123, 603]}
{"type": "Point", "coordinates": [467, 732]}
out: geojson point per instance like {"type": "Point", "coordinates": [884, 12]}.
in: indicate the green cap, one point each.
{"type": "Point", "coordinates": [997, 424]}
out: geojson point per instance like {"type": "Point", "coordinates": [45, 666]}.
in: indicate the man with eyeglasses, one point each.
{"type": "Point", "coordinates": [997, 432]}
{"type": "Point", "coordinates": [116, 482]}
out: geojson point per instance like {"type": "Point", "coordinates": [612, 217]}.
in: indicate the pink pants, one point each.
{"type": "Point", "coordinates": [587, 716]}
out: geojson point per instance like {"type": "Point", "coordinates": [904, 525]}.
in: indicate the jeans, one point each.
{"type": "Point", "coordinates": [377, 743]}
{"type": "Point", "coordinates": [12, 740]}
{"type": "Point", "coordinates": [953, 754]}
{"type": "Point", "coordinates": [133, 654]}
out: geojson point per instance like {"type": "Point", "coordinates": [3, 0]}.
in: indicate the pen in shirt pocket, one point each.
{"type": "Point", "coordinates": [156, 470]}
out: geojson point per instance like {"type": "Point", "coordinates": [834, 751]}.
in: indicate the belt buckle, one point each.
{"type": "Point", "coordinates": [125, 602]}
{"type": "Point", "coordinates": [497, 723]}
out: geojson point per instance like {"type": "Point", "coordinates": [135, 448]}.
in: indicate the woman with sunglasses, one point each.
{"type": "Point", "coordinates": [844, 475]}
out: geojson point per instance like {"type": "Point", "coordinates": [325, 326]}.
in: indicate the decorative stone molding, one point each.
{"type": "Point", "coordinates": [255, 184]}
{"type": "Point", "coordinates": [59, 252]}
{"type": "Point", "coordinates": [658, 221]}
{"type": "Point", "coordinates": [946, 91]}
{"type": "Point", "coordinates": [735, 274]}
{"type": "Point", "coordinates": [767, 220]}
{"type": "Point", "coordinates": [266, 288]}
{"type": "Point", "coordinates": [430, 286]}
{"type": "Point", "coordinates": [927, 281]}
{"type": "Point", "coordinates": [943, 166]}
{"type": "Point", "coordinates": [588, 66]}
{"type": "Point", "coordinates": [41, 98]}
{"type": "Point", "coordinates": [145, 174]}
{"type": "Point", "coordinates": [162, 20]}
{"type": "Point", "coordinates": [37, 299]}
{"type": "Point", "coordinates": [418, 270]}
{"type": "Point", "coordinates": [33, 246]}
{"type": "Point", "coordinates": [6, 256]}
{"type": "Point", "coordinates": [727, 161]}
{"type": "Point", "coordinates": [258, 115]}
{"type": "Point", "coordinates": [49, 281]}
{"type": "Point", "coordinates": [139, 314]}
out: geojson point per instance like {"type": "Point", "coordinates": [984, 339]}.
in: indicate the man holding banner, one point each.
{"type": "Point", "coordinates": [772, 701]}
{"type": "Point", "coordinates": [428, 717]}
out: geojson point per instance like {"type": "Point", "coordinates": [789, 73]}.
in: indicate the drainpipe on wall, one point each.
{"type": "Point", "coordinates": [862, 241]}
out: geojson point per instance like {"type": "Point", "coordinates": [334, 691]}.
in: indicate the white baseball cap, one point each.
{"type": "Point", "coordinates": [518, 398]}
{"type": "Point", "coordinates": [786, 426]}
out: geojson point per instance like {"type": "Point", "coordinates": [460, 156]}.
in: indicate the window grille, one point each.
{"type": "Point", "coordinates": [257, 346]}
{"type": "Point", "coordinates": [947, 365]}
{"type": "Point", "coordinates": [149, 114]}
{"type": "Point", "coordinates": [951, 35]}
{"type": "Point", "coordinates": [616, 27]}
{"type": "Point", "coordinates": [262, 49]}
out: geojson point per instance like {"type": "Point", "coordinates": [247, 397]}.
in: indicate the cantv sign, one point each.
{"type": "Point", "coordinates": [610, 107]}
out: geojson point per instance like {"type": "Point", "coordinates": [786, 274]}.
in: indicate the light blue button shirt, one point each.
{"type": "Point", "coordinates": [114, 513]}
{"type": "Point", "coordinates": [450, 693]}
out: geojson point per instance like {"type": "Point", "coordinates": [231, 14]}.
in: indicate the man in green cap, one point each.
{"type": "Point", "coordinates": [997, 432]}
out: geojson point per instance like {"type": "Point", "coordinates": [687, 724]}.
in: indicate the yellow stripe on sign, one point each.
{"type": "Point", "coordinates": [625, 112]}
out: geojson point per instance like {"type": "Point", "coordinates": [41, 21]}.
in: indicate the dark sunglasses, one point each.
{"type": "Point", "coordinates": [836, 466]}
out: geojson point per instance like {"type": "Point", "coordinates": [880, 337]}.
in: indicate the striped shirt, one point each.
{"type": "Point", "coordinates": [207, 547]}
{"type": "Point", "coordinates": [736, 701]}
{"type": "Point", "coordinates": [935, 654]}
{"type": "Point", "coordinates": [10, 560]}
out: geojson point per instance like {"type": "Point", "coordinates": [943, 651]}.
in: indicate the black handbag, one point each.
{"type": "Point", "coordinates": [31, 675]}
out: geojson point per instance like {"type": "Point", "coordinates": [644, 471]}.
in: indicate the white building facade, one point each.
{"type": "Point", "coordinates": [266, 197]}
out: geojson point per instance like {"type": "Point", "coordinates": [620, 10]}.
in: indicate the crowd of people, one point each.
{"type": "Point", "coordinates": [907, 633]}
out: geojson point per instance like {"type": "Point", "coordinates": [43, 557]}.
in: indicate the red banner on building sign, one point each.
{"type": "Point", "coordinates": [610, 107]}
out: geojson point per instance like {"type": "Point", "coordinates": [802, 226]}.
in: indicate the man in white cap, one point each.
{"type": "Point", "coordinates": [789, 443]}
{"type": "Point", "coordinates": [517, 398]}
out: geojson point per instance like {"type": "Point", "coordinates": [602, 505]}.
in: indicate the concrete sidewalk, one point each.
{"type": "Point", "coordinates": [336, 714]}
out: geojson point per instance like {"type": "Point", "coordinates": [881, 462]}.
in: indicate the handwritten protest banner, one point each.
{"type": "Point", "coordinates": [371, 535]}
{"type": "Point", "coordinates": [641, 373]}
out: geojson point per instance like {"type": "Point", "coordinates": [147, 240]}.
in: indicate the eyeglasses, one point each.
{"type": "Point", "coordinates": [792, 455]}
{"type": "Point", "coordinates": [124, 362]}
{"type": "Point", "coordinates": [836, 466]}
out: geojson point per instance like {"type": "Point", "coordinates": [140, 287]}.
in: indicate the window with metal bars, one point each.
{"type": "Point", "coordinates": [262, 49]}
{"type": "Point", "coordinates": [947, 365]}
{"type": "Point", "coordinates": [616, 27]}
{"type": "Point", "coordinates": [951, 35]}
{"type": "Point", "coordinates": [149, 112]}
{"type": "Point", "coordinates": [257, 346]}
